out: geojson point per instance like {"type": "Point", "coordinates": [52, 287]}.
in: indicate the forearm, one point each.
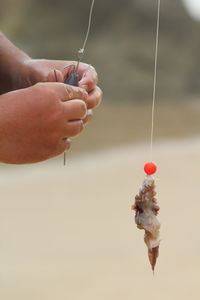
{"type": "Point", "coordinates": [11, 65]}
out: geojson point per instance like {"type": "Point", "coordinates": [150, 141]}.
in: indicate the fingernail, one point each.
{"type": "Point", "coordinates": [80, 122]}
{"type": "Point", "coordinates": [89, 112]}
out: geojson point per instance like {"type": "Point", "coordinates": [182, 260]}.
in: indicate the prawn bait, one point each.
{"type": "Point", "coordinates": [146, 211]}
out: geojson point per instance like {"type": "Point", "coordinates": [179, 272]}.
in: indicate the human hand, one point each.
{"type": "Point", "coordinates": [37, 122]}
{"type": "Point", "coordinates": [18, 70]}
{"type": "Point", "coordinates": [40, 70]}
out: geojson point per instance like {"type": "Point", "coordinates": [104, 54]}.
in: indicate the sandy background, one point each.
{"type": "Point", "coordinates": [69, 233]}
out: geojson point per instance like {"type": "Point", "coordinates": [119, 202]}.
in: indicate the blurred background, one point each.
{"type": "Point", "coordinates": [68, 232]}
{"type": "Point", "coordinates": [122, 47]}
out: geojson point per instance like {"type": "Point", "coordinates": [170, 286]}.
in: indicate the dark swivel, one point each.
{"type": "Point", "coordinates": [72, 79]}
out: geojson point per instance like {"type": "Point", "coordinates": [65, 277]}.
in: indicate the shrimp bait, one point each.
{"type": "Point", "coordinates": [146, 211]}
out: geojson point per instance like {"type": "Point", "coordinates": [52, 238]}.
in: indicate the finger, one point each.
{"type": "Point", "coordinates": [94, 98]}
{"type": "Point", "coordinates": [89, 79]}
{"type": "Point", "coordinates": [63, 91]}
{"type": "Point", "coordinates": [55, 76]}
{"type": "Point", "coordinates": [76, 93]}
{"type": "Point", "coordinates": [88, 117]}
{"type": "Point", "coordinates": [71, 66]}
{"type": "Point", "coordinates": [75, 110]}
{"type": "Point", "coordinates": [73, 128]}
{"type": "Point", "coordinates": [87, 74]}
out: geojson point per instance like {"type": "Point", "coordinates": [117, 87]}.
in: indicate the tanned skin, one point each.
{"type": "Point", "coordinates": [38, 112]}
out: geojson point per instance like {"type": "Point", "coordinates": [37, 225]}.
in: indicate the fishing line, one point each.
{"type": "Point", "coordinates": [146, 207]}
{"type": "Point", "coordinates": [81, 51]}
{"type": "Point", "coordinates": [155, 80]}
{"type": "Point", "coordinates": [73, 79]}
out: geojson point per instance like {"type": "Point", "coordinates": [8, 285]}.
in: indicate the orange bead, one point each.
{"type": "Point", "coordinates": [150, 168]}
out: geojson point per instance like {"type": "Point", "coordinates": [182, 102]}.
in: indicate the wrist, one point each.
{"type": "Point", "coordinates": [11, 65]}
{"type": "Point", "coordinates": [20, 73]}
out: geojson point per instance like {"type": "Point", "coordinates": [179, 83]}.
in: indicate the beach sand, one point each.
{"type": "Point", "coordinates": [69, 233]}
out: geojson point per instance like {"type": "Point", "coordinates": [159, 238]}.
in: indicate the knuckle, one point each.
{"type": "Point", "coordinates": [69, 91]}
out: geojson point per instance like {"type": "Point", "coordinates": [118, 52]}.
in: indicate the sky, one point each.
{"type": "Point", "coordinates": [193, 7]}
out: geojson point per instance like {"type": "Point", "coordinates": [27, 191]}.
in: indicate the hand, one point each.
{"type": "Point", "coordinates": [36, 122]}
{"type": "Point", "coordinates": [43, 70]}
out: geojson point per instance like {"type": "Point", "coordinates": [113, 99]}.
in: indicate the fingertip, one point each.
{"type": "Point", "coordinates": [88, 83]}
{"type": "Point", "coordinates": [94, 98]}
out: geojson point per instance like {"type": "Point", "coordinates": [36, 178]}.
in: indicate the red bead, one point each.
{"type": "Point", "coordinates": [150, 168]}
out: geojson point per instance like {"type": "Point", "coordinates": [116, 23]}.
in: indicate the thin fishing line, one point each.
{"type": "Point", "coordinates": [155, 78]}
{"type": "Point", "coordinates": [82, 50]}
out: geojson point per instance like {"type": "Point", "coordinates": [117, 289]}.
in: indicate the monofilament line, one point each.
{"type": "Point", "coordinates": [155, 79]}
{"type": "Point", "coordinates": [82, 50]}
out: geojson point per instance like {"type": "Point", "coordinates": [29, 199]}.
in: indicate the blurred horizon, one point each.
{"type": "Point", "coordinates": [48, 30]}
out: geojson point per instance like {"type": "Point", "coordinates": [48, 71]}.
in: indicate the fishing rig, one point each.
{"type": "Point", "coordinates": [145, 206]}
